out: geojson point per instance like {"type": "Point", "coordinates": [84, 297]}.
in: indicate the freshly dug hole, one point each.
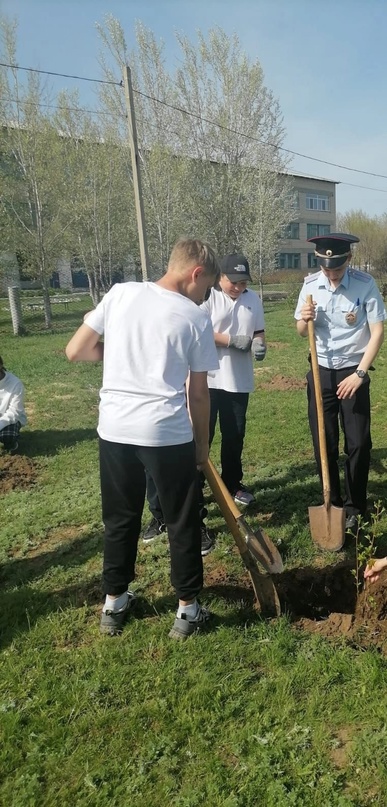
{"type": "Point", "coordinates": [324, 601]}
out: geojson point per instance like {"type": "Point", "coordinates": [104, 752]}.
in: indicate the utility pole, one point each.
{"type": "Point", "coordinates": [136, 172]}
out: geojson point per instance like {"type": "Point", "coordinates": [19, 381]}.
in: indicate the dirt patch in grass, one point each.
{"type": "Point", "coordinates": [319, 600]}
{"type": "Point", "coordinates": [16, 473]}
{"type": "Point", "coordinates": [343, 747]}
{"type": "Point", "coordinates": [283, 383]}
{"type": "Point", "coordinates": [324, 601]}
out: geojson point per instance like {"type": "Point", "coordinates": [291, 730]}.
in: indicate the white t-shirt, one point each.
{"type": "Point", "coordinates": [243, 316]}
{"type": "Point", "coordinates": [152, 338]}
{"type": "Point", "coordinates": [11, 401]}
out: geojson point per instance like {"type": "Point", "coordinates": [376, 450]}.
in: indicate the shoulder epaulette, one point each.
{"type": "Point", "coordinates": [309, 278]}
{"type": "Point", "coordinates": [362, 276]}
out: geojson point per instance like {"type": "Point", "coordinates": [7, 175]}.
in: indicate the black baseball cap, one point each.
{"type": "Point", "coordinates": [333, 250]}
{"type": "Point", "coordinates": [236, 267]}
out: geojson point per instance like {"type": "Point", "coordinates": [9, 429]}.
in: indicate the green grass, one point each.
{"type": "Point", "coordinates": [254, 713]}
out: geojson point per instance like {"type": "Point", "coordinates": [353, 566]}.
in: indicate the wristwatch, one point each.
{"type": "Point", "coordinates": [361, 373]}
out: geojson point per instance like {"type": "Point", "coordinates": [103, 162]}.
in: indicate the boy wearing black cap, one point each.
{"type": "Point", "coordinates": [348, 314]}
{"type": "Point", "coordinates": [239, 330]}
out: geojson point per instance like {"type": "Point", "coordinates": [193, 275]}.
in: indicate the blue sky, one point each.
{"type": "Point", "coordinates": [324, 60]}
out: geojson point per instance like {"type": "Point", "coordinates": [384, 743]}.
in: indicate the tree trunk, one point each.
{"type": "Point", "coordinates": [16, 310]}
{"type": "Point", "coordinates": [93, 288]}
{"type": "Point", "coordinates": [46, 305]}
{"type": "Point", "coordinates": [260, 272]}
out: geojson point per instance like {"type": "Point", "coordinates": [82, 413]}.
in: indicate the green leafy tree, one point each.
{"type": "Point", "coordinates": [98, 205]}
{"type": "Point", "coordinates": [371, 252]}
{"type": "Point", "coordinates": [31, 183]}
{"type": "Point", "coordinates": [212, 169]}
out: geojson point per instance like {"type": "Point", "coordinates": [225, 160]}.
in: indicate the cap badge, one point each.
{"type": "Point", "coordinates": [328, 253]}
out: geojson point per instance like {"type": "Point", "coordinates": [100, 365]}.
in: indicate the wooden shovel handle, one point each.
{"type": "Point", "coordinates": [258, 543]}
{"type": "Point", "coordinates": [225, 500]}
{"type": "Point", "coordinates": [217, 481]}
{"type": "Point", "coordinates": [264, 589]}
{"type": "Point", "coordinates": [320, 411]}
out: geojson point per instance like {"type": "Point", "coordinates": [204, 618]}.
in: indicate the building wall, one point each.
{"type": "Point", "coordinates": [310, 219]}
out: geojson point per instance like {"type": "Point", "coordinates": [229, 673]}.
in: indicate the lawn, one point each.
{"type": "Point", "coordinates": [254, 713]}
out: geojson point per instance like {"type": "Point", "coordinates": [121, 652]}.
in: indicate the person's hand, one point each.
{"type": "Point", "coordinates": [241, 342]}
{"type": "Point", "coordinates": [308, 311]}
{"type": "Point", "coordinates": [258, 348]}
{"type": "Point", "coordinates": [374, 569]}
{"type": "Point", "coordinates": [348, 387]}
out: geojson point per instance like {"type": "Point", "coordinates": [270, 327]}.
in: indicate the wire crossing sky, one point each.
{"type": "Point", "coordinates": [326, 63]}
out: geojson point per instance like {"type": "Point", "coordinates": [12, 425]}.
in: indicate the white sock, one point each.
{"type": "Point", "coordinates": [115, 603]}
{"type": "Point", "coordinates": [189, 610]}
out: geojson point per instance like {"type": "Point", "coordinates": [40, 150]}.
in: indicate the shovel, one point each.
{"type": "Point", "coordinates": [327, 522]}
{"type": "Point", "coordinates": [251, 547]}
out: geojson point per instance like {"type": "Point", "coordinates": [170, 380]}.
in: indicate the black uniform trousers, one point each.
{"type": "Point", "coordinates": [231, 408]}
{"type": "Point", "coordinates": [354, 416]}
{"type": "Point", "coordinates": [122, 472]}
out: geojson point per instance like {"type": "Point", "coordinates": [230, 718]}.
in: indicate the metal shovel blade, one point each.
{"type": "Point", "coordinates": [265, 593]}
{"type": "Point", "coordinates": [327, 526]}
{"type": "Point", "coordinates": [261, 547]}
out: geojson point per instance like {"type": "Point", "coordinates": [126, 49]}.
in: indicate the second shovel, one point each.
{"type": "Point", "coordinates": [327, 522]}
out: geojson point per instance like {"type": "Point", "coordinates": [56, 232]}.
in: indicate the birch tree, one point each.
{"type": "Point", "coordinates": [371, 251]}
{"type": "Point", "coordinates": [98, 204]}
{"type": "Point", "coordinates": [30, 191]}
{"type": "Point", "coordinates": [210, 135]}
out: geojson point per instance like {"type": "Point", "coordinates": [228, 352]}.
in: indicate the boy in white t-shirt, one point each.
{"type": "Point", "coordinates": [154, 335]}
{"type": "Point", "coordinates": [239, 329]}
{"type": "Point", "coordinates": [237, 319]}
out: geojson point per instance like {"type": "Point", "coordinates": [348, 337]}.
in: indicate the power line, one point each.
{"type": "Point", "coordinates": [256, 139]}
{"type": "Point", "coordinates": [55, 106]}
{"type": "Point", "coordinates": [170, 131]}
{"type": "Point", "coordinates": [62, 75]}
{"type": "Point", "coordinates": [351, 184]}
{"type": "Point", "coordinates": [206, 120]}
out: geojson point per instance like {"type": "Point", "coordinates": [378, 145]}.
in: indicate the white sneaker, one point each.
{"type": "Point", "coordinates": [243, 496]}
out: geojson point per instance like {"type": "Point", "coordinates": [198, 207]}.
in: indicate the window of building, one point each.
{"type": "Point", "coordinates": [317, 229]}
{"type": "Point", "coordinates": [315, 201]}
{"type": "Point", "coordinates": [79, 279]}
{"type": "Point", "coordinates": [289, 260]}
{"type": "Point", "coordinates": [292, 231]}
{"type": "Point", "coordinates": [312, 261]}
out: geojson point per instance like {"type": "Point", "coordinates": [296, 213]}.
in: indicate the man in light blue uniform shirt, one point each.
{"type": "Point", "coordinates": [348, 314]}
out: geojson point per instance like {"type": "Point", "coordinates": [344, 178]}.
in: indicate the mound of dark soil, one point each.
{"type": "Point", "coordinates": [16, 472]}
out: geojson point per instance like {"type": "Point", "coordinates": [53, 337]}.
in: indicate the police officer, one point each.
{"type": "Point", "coordinates": [348, 314]}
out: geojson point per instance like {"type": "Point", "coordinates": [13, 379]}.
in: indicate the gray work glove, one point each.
{"type": "Point", "coordinates": [242, 343]}
{"type": "Point", "coordinates": [258, 348]}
